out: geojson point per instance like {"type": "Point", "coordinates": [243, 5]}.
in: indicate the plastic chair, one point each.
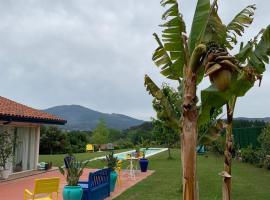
{"type": "Point", "coordinates": [118, 170]}
{"type": "Point", "coordinates": [45, 186]}
{"type": "Point", "coordinates": [89, 148]}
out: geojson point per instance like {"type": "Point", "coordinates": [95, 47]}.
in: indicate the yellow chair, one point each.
{"type": "Point", "coordinates": [141, 154]}
{"type": "Point", "coordinates": [45, 186]}
{"type": "Point", "coordinates": [89, 147]}
{"type": "Point", "coordinates": [118, 171]}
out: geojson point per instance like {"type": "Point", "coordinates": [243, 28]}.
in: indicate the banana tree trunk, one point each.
{"type": "Point", "coordinates": [227, 178]}
{"type": "Point", "coordinates": [189, 136]}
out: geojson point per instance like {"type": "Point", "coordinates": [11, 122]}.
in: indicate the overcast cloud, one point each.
{"type": "Point", "coordinates": [95, 53]}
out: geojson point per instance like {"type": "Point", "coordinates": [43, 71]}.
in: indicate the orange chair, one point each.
{"type": "Point", "coordinates": [45, 186]}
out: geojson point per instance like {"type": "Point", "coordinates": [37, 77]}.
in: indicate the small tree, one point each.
{"type": "Point", "coordinates": [6, 148]}
{"type": "Point", "coordinates": [100, 134]}
{"type": "Point", "coordinates": [53, 140]}
{"type": "Point", "coordinates": [165, 135]}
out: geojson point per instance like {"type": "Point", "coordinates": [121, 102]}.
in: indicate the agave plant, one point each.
{"type": "Point", "coordinates": [186, 58]}
{"type": "Point", "coordinates": [73, 172]}
{"type": "Point", "coordinates": [111, 161]}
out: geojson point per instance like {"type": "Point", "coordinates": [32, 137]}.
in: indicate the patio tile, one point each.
{"type": "Point", "coordinates": [14, 189]}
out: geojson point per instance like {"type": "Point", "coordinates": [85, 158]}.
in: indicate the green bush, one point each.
{"type": "Point", "coordinates": [264, 139]}
{"type": "Point", "coordinates": [248, 155]}
{"type": "Point", "coordinates": [253, 156]}
{"type": "Point", "coordinates": [266, 162]}
{"type": "Point", "coordinates": [218, 145]}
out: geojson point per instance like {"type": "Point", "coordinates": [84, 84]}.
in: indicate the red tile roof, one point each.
{"type": "Point", "coordinates": [13, 111]}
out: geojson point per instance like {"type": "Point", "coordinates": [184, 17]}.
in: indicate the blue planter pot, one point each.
{"type": "Point", "coordinates": [72, 193]}
{"type": "Point", "coordinates": [113, 177]}
{"type": "Point", "coordinates": [143, 164]}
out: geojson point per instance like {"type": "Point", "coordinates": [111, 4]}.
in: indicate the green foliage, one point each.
{"type": "Point", "coordinates": [266, 162]}
{"type": "Point", "coordinates": [6, 148]}
{"type": "Point", "coordinates": [264, 139]}
{"type": "Point", "coordinates": [165, 136]}
{"type": "Point", "coordinates": [211, 131]}
{"type": "Point", "coordinates": [78, 140]}
{"type": "Point", "coordinates": [240, 123]}
{"type": "Point", "coordinates": [124, 144]}
{"type": "Point", "coordinates": [53, 140]}
{"type": "Point", "coordinates": [199, 24]}
{"type": "Point", "coordinates": [254, 53]}
{"type": "Point", "coordinates": [237, 26]}
{"type": "Point", "coordinates": [166, 102]}
{"type": "Point", "coordinates": [74, 171]}
{"type": "Point", "coordinates": [215, 30]}
{"type": "Point", "coordinates": [260, 56]}
{"type": "Point", "coordinates": [100, 134]}
{"type": "Point", "coordinates": [218, 145]}
{"type": "Point", "coordinates": [111, 161]}
{"type": "Point", "coordinates": [114, 135]}
{"type": "Point", "coordinates": [136, 136]}
{"type": "Point", "coordinates": [170, 55]}
{"type": "Point", "coordinates": [252, 156]}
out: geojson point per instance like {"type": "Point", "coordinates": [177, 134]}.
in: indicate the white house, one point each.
{"type": "Point", "coordinates": [24, 123]}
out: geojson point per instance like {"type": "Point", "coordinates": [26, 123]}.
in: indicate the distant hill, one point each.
{"type": "Point", "coordinates": [82, 118]}
{"type": "Point", "coordinates": [265, 119]}
{"type": "Point", "coordinates": [146, 126]}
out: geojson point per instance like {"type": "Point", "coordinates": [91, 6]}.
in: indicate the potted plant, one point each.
{"type": "Point", "coordinates": [111, 162]}
{"type": "Point", "coordinates": [72, 174]}
{"type": "Point", "coordinates": [6, 151]}
{"type": "Point", "coordinates": [69, 157]}
{"type": "Point", "coordinates": [144, 161]}
{"type": "Point", "coordinates": [137, 152]}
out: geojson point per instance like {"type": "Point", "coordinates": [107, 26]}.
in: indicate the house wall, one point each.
{"type": "Point", "coordinates": [27, 145]}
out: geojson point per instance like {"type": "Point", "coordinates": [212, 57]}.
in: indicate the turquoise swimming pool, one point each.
{"type": "Point", "coordinates": [149, 152]}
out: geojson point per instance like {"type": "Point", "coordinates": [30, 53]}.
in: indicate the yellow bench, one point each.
{"type": "Point", "coordinates": [45, 186]}
{"type": "Point", "coordinates": [89, 147]}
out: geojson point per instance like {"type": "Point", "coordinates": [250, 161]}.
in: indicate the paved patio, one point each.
{"type": "Point", "coordinates": [14, 189]}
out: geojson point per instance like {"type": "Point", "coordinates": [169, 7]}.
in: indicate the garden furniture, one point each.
{"type": "Point", "coordinates": [46, 186]}
{"type": "Point", "coordinates": [98, 185]}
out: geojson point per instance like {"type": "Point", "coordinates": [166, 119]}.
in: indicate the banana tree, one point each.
{"type": "Point", "coordinates": [186, 58]}
{"type": "Point", "coordinates": [180, 58]}
{"type": "Point", "coordinates": [233, 76]}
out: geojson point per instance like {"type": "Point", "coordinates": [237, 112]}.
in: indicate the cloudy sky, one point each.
{"type": "Point", "coordinates": [95, 53]}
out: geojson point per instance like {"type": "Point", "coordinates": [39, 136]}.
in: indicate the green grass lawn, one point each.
{"type": "Point", "coordinates": [249, 182]}
{"type": "Point", "coordinates": [58, 159]}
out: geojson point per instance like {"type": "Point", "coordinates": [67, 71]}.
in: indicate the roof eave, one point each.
{"type": "Point", "coordinates": [32, 120]}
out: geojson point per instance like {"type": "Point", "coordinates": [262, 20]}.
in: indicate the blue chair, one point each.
{"type": "Point", "coordinates": [98, 185]}
{"type": "Point", "coordinates": [200, 149]}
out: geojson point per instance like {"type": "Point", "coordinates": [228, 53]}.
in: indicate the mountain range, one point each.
{"type": "Point", "coordinates": [82, 118]}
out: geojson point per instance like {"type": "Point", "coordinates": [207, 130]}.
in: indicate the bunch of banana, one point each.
{"type": "Point", "coordinates": [220, 66]}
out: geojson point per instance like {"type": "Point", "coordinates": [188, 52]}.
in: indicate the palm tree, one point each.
{"type": "Point", "coordinates": [206, 50]}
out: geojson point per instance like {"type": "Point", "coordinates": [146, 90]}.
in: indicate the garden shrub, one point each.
{"type": "Point", "coordinates": [218, 145]}
{"type": "Point", "coordinates": [266, 162]}
{"type": "Point", "coordinates": [248, 155]}
{"type": "Point", "coordinates": [264, 139]}
{"type": "Point", "coordinates": [254, 156]}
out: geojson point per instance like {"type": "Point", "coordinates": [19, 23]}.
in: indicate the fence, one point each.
{"type": "Point", "coordinates": [244, 137]}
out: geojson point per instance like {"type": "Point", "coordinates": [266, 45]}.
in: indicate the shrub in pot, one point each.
{"type": "Point", "coordinates": [111, 162]}
{"type": "Point", "coordinates": [72, 174]}
{"type": "Point", "coordinates": [68, 158]}
{"type": "Point", "coordinates": [6, 151]}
